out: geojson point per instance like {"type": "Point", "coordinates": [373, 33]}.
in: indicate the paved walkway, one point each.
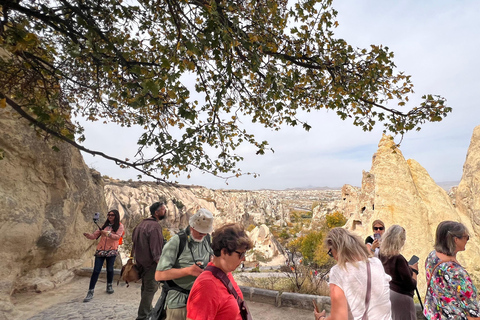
{"type": "Point", "coordinates": [66, 302]}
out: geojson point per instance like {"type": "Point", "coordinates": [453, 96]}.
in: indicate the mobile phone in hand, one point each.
{"type": "Point", "coordinates": [377, 236]}
{"type": "Point", "coordinates": [414, 259]}
{"type": "Point", "coordinates": [315, 306]}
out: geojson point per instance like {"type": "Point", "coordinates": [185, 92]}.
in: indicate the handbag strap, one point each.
{"type": "Point", "coordinates": [219, 274]}
{"type": "Point", "coordinates": [369, 291]}
{"type": "Point", "coordinates": [433, 272]}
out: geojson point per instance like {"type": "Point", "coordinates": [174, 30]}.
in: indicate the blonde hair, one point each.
{"type": "Point", "coordinates": [349, 247]}
{"type": "Point", "coordinates": [380, 222]}
{"type": "Point", "coordinates": [393, 241]}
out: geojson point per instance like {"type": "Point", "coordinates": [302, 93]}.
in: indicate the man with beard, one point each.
{"type": "Point", "coordinates": [183, 260]}
{"type": "Point", "coordinates": [147, 248]}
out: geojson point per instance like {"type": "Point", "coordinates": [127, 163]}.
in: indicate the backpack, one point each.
{"type": "Point", "coordinates": [159, 311]}
{"type": "Point", "coordinates": [129, 273]}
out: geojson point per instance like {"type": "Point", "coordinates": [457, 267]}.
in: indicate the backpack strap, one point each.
{"type": "Point", "coordinates": [182, 235]}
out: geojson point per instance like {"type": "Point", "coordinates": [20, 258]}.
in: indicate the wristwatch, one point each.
{"type": "Point", "coordinates": [415, 271]}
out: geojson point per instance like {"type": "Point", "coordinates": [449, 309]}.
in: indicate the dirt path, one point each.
{"type": "Point", "coordinates": [65, 302]}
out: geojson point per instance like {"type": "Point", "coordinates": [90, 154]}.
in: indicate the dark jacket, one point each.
{"type": "Point", "coordinates": [397, 267]}
{"type": "Point", "coordinates": [147, 243]}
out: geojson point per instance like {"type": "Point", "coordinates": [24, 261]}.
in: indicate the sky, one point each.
{"type": "Point", "coordinates": [436, 42]}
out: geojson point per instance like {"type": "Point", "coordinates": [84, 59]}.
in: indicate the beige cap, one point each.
{"type": "Point", "coordinates": [202, 221]}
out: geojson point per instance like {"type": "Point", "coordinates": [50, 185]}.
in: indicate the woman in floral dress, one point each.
{"type": "Point", "coordinates": [451, 293]}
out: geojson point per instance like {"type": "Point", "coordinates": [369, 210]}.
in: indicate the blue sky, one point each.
{"type": "Point", "coordinates": [436, 42]}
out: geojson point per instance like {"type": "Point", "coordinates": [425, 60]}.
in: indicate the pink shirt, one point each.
{"type": "Point", "coordinates": [107, 243]}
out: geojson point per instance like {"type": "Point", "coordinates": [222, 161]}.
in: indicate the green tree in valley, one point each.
{"type": "Point", "coordinates": [190, 71]}
{"type": "Point", "coordinates": [335, 219]}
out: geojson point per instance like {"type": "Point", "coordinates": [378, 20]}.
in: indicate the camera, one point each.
{"type": "Point", "coordinates": [96, 217]}
{"type": "Point", "coordinates": [200, 264]}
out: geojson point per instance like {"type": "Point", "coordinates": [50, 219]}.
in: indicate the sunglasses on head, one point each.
{"type": "Point", "coordinates": [330, 253]}
{"type": "Point", "coordinates": [378, 228]}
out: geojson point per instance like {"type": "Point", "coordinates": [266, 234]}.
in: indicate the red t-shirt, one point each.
{"type": "Point", "coordinates": [209, 299]}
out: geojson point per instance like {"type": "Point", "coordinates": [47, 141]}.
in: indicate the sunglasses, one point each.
{"type": "Point", "coordinates": [330, 253]}
{"type": "Point", "coordinates": [241, 255]}
{"type": "Point", "coordinates": [378, 228]}
{"type": "Point", "coordinates": [111, 215]}
{"type": "Point", "coordinates": [467, 236]}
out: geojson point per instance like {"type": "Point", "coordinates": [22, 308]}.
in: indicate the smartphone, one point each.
{"type": "Point", "coordinates": [414, 259]}
{"type": "Point", "coordinates": [315, 306]}
{"type": "Point", "coordinates": [96, 216]}
{"type": "Point", "coordinates": [377, 236]}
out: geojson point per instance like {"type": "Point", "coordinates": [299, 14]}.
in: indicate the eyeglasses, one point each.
{"type": "Point", "coordinates": [111, 215]}
{"type": "Point", "coordinates": [330, 253]}
{"type": "Point", "coordinates": [378, 228]}
{"type": "Point", "coordinates": [241, 255]}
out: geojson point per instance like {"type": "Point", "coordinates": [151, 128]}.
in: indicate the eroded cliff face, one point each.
{"type": "Point", "coordinates": [47, 200]}
{"type": "Point", "coordinates": [133, 200]}
{"type": "Point", "coordinates": [467, 195]}
{"type": "Point", "coordinates": [400, 191]}
{"type": "Point", "coordinates": [227, 206]}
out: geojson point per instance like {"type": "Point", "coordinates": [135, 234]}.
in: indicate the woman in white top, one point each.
{"type": "Point", "coordinates": [349, 278]}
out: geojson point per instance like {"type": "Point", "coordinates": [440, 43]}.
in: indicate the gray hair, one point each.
{"type": "Point", "coordinates": [445, 236]}
{"type": "Point", "coordinates": [393, 241]}
{"type": "Point", "coordinates": [349, 247]}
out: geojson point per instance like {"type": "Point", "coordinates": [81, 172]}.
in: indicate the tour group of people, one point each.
{"type": "Point", "coordinates": [371, 278]}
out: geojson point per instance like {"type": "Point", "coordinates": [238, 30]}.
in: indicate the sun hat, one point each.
{"type": "Point", "coordinates": [202, 221]}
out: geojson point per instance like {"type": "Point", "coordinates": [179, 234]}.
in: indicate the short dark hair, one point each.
{"type": "Point", "coordinates": [445, 236]}
{"type": "Point", "coordinates": [230, 237]}
{"type": "Point", "coordinates": [154, 207]}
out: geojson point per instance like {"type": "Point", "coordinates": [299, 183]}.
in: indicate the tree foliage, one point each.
{"type": "Point", "coordinates": [335, 219]}
{"type": "Point", "coordinates": [190, 71]}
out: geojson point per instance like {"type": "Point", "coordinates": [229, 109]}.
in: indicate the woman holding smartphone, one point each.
{"type": "Point", "coordinates": [404, 276]}
{"type": "Point", "coordinates": [373, 242]}
{"type": "Point", "coordinates": [107, 250]}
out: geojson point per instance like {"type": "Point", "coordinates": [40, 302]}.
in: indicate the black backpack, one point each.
{"type": "Point", "coordinates": [159, 312]}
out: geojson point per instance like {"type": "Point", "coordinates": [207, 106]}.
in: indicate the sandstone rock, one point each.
{"type": "Point", "coordinates": [401, 192]}
{"type": "Point", "coordinates": [467, 195]}
{"type": "Point", "coordinates": [47, 201]}
{"type": "Point", "coordinates": [264, 243]}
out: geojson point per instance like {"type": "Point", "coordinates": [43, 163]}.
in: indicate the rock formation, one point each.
{"type": "Point", "coordinates": [467, 195]}
{"type": "Point", "coordinates": [264, 244]}
{"type": "Point", "coordinates": [401, 192]}
{"type": "Point", "coordinates": [47, 200]}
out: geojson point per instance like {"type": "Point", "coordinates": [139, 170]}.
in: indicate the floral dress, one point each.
{"type": "Point", "coordinates": [451, 294]}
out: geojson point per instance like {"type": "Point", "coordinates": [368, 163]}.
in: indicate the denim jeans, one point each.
{"type": "Point", "coordinates": [98, 268]}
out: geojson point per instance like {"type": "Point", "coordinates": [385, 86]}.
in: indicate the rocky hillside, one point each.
{"type": "Point", "coordinates": [259, 208]}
